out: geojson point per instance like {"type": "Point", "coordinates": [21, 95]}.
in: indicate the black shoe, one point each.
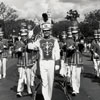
{"type": "Point", "coordinates": [31, 95]}
{"type": "Point", "coordinates": [74, 93]}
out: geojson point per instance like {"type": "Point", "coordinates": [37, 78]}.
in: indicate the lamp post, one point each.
{"type": "Point", "coordinates": [13, 37]}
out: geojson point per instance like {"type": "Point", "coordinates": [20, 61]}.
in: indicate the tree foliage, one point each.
{"type": "Point", "coordinates": [72, 15]}
{"type": "Point", "coordinates": [90, 23]}
{"type": "Point", "coordinates": [13, 27]}
{"type": "Point", "coordinates": [7, 13]}
{"type": "Point", "coordinates": [60, 26]}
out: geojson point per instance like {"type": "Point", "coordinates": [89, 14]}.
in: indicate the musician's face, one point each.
{"type": "Point", "coordinates": [24, 38]}
{"type": "Point", "coordinates": [29, 27]}
{"type": "Point", "coordinates": [47, 33]}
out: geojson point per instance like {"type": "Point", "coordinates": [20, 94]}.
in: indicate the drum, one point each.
{"type": "Point", "coordinates": [77, 59]}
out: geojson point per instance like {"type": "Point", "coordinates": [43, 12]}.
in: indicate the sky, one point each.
{"type": "Point", "coordinates": [31, 9]}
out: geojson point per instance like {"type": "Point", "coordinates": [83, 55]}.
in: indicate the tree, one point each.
{"type": "Point", "coordinates": [7, 13]}
{"type": "Point", "coordinates": [72, 15]}
{"type": "Point", "coordinates": [7, 16]}
{"type": "Point", "coordinates": [60, 26]}
{"type": "Point", "coordinates": [90, 23]}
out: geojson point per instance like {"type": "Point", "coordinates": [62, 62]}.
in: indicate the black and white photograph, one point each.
{"type": "Point", "coordinates": [49, 49]}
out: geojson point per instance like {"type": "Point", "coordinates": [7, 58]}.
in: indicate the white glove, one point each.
{"type": "Point", "coordinates": [57, 67]}
{"type": "Point", "coordinates": [19, 49]}
{"type": "Point", "coordinates": [30, 45]}
{"type": "Point", "coordinates": [96, 55]}
{"type": "Point", "coordinates": [63, 69]}
{"type": "Point", "coordinates": [4, 46]}
{"type": "Point", "coordinates": [0, 51]}
{"type": "Point", "coordinates": [71, 47]}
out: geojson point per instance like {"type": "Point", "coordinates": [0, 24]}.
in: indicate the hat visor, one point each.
{"type": "Point", "coordinates": [23, 34]}
{"type": "Point", "coordinates": [46, 29]}
{"type": "Point", "coordinates": [70, 36]}
{"type": "Point", "coordinates": [74, 31]}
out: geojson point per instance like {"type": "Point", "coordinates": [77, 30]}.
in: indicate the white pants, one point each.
{"type": "Point", "coordinates": [97, 66]}
{"type": "Point", "coordinates": [26, 76]}
{"type": "Point", "coordinates": [3, 63]}
{"type": "Point", "coordinates": [63, 70]}
{"type": "Point", "coordinates": [22, 79]}
{"type": "Point", "coordinates": [75, 79]}
{"type": "Point", "coordinates": [47, 75]}
{"type": "Point", "coordinates": [33, 72]}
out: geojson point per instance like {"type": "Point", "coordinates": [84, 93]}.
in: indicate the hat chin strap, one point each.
{"type": "Point", "coordinates": [47, 37]}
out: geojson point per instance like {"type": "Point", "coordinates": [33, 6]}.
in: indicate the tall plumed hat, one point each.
{"type": "Point", "coordinates": [69, 32]}
{"type": "Point", "coordinates": [23, 24]}
{"type": "Point", "coordinates": [1, 32]}
{"type": "Point", "coordinates": [97, 34]}
{"type": "Point", "coordinates": [46, 23]}
{"type": "Point", "coordinates": [23, 32]}
{"type": "Point", "coordinates": [64, 35]}
{"type": "Point", "coordinates": [74, 30]}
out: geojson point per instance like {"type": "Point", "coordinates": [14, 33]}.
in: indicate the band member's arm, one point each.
{"type": "Point", "coordinates": [1, 47]}
{"type": "Point", "coordinates": [57, 54]}
{"type": "Point", "coordinates": [33, 45]}
{"type": "Point", "coordinates": [95, 52]}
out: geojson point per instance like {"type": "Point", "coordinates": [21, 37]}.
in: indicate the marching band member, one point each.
{"type": "Point", "coordinates": [96, 53]}
{"type": "Point", "coordinates": [70, 49]}
{"type": "Point", "coordinates": [25, 63]}
{"type": "Point", "coordinates": [3, 55]}
{"type": "Point", "coordinates": [49, 59]}
{"type": "Point", "coordinates": [35, 55]}
{"type": "Point", "coordinates": [63, 53]}
{"type": "Point", "coordinates": [76, 64]}
{"type": "Point", "coordinates": [30, 31]}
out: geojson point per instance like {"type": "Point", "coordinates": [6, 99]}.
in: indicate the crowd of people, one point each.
{"type": "Point", "coordinates": [50, 54]}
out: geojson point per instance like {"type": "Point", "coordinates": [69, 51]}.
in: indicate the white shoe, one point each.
{"type": "Point", "coordinates": [4, 76]}
{"type": "Point", "coordinates": [74, 93]}
{"type": "Point", "coordinates": [19, 94]}
{"type": "Point", "coordinates": [97, 74]}
{"type": "Point", "coordinates": [0, 77]}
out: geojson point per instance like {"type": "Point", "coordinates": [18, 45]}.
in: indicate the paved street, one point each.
{"type": "Point", "coordinates": [90, 86]}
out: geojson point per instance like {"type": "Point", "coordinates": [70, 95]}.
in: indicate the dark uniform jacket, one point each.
{"type": "Point", "coordinates": [3, 48]}
{"type": "Point", "coordinates": [26, 57]}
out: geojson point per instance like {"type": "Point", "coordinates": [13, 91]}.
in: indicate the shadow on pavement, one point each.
{"type": "Point", "coordinates": [92, 77]}
{"type": "Point", "coordinates": [14, 88]}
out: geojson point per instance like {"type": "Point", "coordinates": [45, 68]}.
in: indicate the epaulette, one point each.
{"type": "Point", "coordinates": [53, 37]}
